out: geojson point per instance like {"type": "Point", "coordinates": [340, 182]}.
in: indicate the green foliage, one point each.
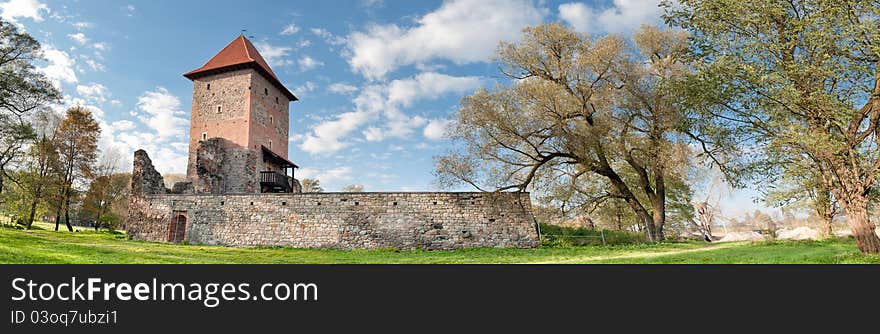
{"type": "Point", "coordinates": [585, 120]}
{"type": "Point", "coordinates": [559, 236]}
{"type": "Point", "coordinates": [799, 82]}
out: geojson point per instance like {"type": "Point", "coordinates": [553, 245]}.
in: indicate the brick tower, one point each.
{"type": "Point", "coordinates": [239, 125]}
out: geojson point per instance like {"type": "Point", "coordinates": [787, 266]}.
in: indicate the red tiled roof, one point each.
{"type": "Point", "coordinates": [239, 53]}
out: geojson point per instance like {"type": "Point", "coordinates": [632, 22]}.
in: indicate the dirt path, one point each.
{"type": "Point", "coordinates": [585, 259]}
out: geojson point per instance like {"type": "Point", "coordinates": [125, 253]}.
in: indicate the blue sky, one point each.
{"type": "Point", "coordinates": [378, 81]}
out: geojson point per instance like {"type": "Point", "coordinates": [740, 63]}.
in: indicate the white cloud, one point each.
{"type": "Point", "coordinates": [122, 126]}
{"type": "Point", "coordinates": [31, 9]}
{"type": "Point", "coordinates": [372, 3]}
{"type": "Point", "coordinates": [93, 92]}
{"type": "Point", "coordinates": [462, 31]}
{"type": "Point", "coordinates": [341, 88]}
{"type": "Point", "coordinates": [94, 65]}
{"type": "Point", "coordinates": [82, 25]}
{"type": "Point", "coordinates": [373, 134]}
{"type": "Point", "coordinates": [163, 137]}
{"type": "Point", "coordinates": [275, 55]}
{"type": "Point", "coordinates": [303, 43]}
{"type": "Point", "coordinates": [325, 137]}
{"type": "Point", "coordinates": [79, 38]}
{"type": "Point", "coordinates": [60, 66]}
{"type": "Point", "coordinates": [622, 16]}
{"type": "Point", "coordinates": [429, 85]}
{"type": "Point", "coordinates": [329, 178]}
{"type": "Point", "coordinates": [383, 103]}
{"type": "Point", "coordinates": [328, 37]}
{"type": "Point", "coordinates": [306, 87]}
{"type": "Point", "coordinates": [307, 63]}
{"type": "Point", "coordinates": [437, 129]}
{"type": "Point", "coordinates": [130, 10]}
{"type": "Point", "coordinates": [290, 29]}
{"type": "Point", "coordinates": [100, 46]}
{"type": "Point", "coordinates": [160, 110]}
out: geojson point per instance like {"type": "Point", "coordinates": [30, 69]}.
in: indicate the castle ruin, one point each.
{"type": "Point", "coordinates": [240, 188]}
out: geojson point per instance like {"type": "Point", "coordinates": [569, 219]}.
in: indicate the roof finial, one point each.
{"type": "Point", "coordinates": [243, 31]}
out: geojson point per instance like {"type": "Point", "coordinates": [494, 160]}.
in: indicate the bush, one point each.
{"type": "Point", "coordinates": [559, 236]}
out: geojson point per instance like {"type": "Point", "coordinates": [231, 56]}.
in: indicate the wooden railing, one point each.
{"type": "Point", "coordinates": [275, 182]}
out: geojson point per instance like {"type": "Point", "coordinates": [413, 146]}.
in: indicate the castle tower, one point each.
{"type": "Point", "coordinates": [239, 125]}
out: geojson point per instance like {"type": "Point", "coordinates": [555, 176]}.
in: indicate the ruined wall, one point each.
{"type": "Point", "coordinates": [341, 220]}
{"type": "Point", "coordinates": [224, 167]}
{"type": "Point", "coordinates": [145, 180]}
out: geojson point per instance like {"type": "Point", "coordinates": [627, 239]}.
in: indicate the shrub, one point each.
{"type": "Point", "coordinates": [559, 236]}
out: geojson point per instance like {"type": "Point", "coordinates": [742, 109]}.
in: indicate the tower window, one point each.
{"type": "Point", "coordinates": [204, 136]}
{"type": "Point", "coordinates": [219, 109]}
{"type": "Point", "coordinates": [271, 120]}
{"type": "Point", "coordinates": [266, 91]}
{"type": "Point", "coordinates": [209, 86]}
{"type": "Point", "coordinates": [270, 144]}
{"type": "Point", "coordinates": [276, 99]}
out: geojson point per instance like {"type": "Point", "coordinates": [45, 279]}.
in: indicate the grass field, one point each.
{"type": "Point", "coordinates": [46, 246]}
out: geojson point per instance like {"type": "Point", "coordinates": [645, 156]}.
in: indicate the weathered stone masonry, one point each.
{"type": "Point", "coordinates": [341, 220]}
{"type": "Point", "coordinates": [426, 220]}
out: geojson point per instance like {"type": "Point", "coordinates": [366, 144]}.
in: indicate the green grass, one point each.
{"type": "Point", "coordinates": [47, 246]}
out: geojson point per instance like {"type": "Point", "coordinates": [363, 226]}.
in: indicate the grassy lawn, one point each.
{"type": "Point", "coordinates": [47, 246]}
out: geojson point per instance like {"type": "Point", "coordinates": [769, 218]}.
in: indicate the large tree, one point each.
{"type": "Point", "coordinates": [22, 89]}
{"type": "Point", "coordinates": [106, 188]}
{"type": "Point", "coordinates": [77, 140]}
{"type": "Point", "coordinates": [40, 166]}
{"type": "Point", "coordinates": [580, 108]}
{"type": "Point", "coordinates": [804, 78]}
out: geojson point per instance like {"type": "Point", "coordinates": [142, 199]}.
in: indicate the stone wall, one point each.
{"type": "Point", "coordinates": [145, 180]}
{"type": "Point", "coordinates": [224, 167]}
{"type": "Point", "coordinates": [340, 220]}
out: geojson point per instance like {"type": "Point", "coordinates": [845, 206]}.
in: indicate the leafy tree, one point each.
{"type": "Point", "coordinates": [107, 187]}
{"type": "Point", "coordinates": [311, 186]}
{"type": "Point", "coordinates": [802, 188]}
{"type": "Point", "coordinates": [40, 166]}
{"type": "Point", "coordinates": [77, 140]}
{"type": "Point", "coordinates": [579, 109]}
{"type": "Point", "coordinates": [804, 78]}
{"type": "Point", "coordinates": [353, 188]}
{"type": "Point", "coordinates": [22, 90]}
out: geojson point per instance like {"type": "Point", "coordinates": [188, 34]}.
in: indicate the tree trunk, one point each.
{"type": "Point", "coordinates": [619, 220]}
{"type": "Point", "coordinates": [826, 226]}
{"type": "Point", "coordinates": [861, 225]}
{"type": "Point", "coordinates": [32, 213]}
{"type": "Point", "coordinates": [625, 192]}
{"type": "Point", "coordinates": [67, 214]}
{"type": "Point", "coordinates": [659, 215]}
{"type": "Point", "coordinates": [98, 219]}
{"type": "Point", "coordinates": [57, 218]}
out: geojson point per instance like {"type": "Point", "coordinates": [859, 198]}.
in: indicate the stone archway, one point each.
{"type": "Point", "coordinates": [177, 227]}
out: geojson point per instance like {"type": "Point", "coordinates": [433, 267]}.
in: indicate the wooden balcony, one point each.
{"type": "Point", "coordinates": [274, 182]}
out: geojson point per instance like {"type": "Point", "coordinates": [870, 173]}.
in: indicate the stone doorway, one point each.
{"type": "Point", "coordinates": [177, 227]}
